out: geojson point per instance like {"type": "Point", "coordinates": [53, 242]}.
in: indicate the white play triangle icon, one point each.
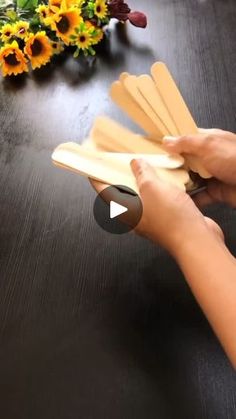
{"type": "Point", "coordinates": [116, 209]}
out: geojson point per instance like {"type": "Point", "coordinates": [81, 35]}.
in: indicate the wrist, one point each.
{"type": "Point", "coordinates": [195, 241]}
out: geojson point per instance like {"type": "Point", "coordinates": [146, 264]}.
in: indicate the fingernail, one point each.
{"type": "Point", "coordinates": [137, 166]}
{"type": "Point", "coordinates": [137, 163]}
{"type": "Point", "coordinates": [168, 139]}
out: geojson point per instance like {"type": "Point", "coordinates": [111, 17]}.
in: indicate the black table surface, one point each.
{"type": "Point", "coordinates": [94, 325]}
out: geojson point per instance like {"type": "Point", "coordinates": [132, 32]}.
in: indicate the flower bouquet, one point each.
{"type": "Point", "coordinates": [33, 31]}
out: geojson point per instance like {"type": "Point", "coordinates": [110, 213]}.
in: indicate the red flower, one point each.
{"type": "Point", "coordinates": [138, 19]}
{"type": "Point", "coordinates": [119, 9]}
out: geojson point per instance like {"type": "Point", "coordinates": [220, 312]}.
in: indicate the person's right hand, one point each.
{"type": "Point", "coordinates": [216, 150]}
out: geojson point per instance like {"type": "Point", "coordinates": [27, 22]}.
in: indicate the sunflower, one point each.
{"type": "Point", "coordinates": [100, 9]}
{"type": "Point", "coordinates": [12, 60]}
{"type": "Point", "coordinates": [38, 48]}
{"type": "Point", "coordinates": [21, 29]}
{"type": "Point", "coordinates": [65, 22]}
{"type": "Point", "coordinates": [97, 33]}
{"type": "Point", "coordinates": [7, 32]}
{"type": "Point", "coordinates": [83, 40]}
{"type": "Point", "coordinates": [57, 47]}
{"type": "Point", "coordinates": [44, 13]}
{"type": "Point", "coordinates": [77, 3]}
{"type": "Point", "coordinates": [54, 5]}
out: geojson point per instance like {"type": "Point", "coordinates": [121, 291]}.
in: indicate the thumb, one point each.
{"type": "Point", "coordinates": [188, 144]}
{"type": "Point", "coordinates": [144, 174]}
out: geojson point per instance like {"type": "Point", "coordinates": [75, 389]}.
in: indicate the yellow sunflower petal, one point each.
{"type": "Point", "coordinates": [21, 29]}
{"type": "Point", "coordinates": [38, 48]}
{"type": "Point", "coordinates": [12, 60]}
{"type": "Point", "coordinates": [44, 13]}
{"type": "Point", "coordinates": [57, 47]}
{"type": "Point", "coordinates": [7, 32]}
{"type": "Point", "coordinates": [54, 5]}
{"type": "Point", "coordinates": [83, 40]}
{"type": "Point", "coordinates": [96, 33]}
{"type": "Point", "coordinates": [100, 9]}
{"type": "Point", "coordinates": [65, 23]}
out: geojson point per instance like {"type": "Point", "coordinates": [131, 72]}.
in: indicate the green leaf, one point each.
{"type": "Point", "coordinates": [27, 4]}
{"type": "Point", "coordinates": [76, 53]}
{"type": "Point", "coordinates": [11, 14]}
{"type": "Point", "coordinates": [91, 51]}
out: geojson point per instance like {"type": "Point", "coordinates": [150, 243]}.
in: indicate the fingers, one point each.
{"type": "Point", "coordinates": [98, 186]}
{"type": "Point", "coordinates": [188, 144]}
{"type": "Point", "coordinates": [216, 192]}
{"type": "Point", "coordinates": [144, 174]}
{"type": "Point", "coordinates": [198, 145]}
{"type": "Point", "coordinates": [207, 131]}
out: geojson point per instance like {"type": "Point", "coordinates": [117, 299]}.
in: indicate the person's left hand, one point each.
{"type": "Point", "coordinates": [170, 217]}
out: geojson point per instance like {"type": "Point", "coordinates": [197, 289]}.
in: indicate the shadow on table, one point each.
{"type": "Point", "coordinates": [162, 329]}
{"type": "Point", "coordinates": [124, 40]}
{"type": "Point", "coordinates": [79, 71]}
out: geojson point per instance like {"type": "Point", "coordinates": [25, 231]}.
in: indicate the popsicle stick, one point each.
{"type": "Point", "coordinates": [177, 108]}
{"type": "Point", "coordinates": [161, 161]}
{"type": "Point", "coordinates": [115, 144]}
{"type": "Point", "coordinates": [88, 166]}
{"type": "Point", "coordinates": [123, 160]}
{"type": "Point", "coordinates": [149, 90]}
{"type": "Point", "coordinates": [173, 99]}
{"type": "Point", "coordinates": [123, 76]}
{"type": "Point", "coordinates": [111, 171]}
{"type": "Point", "coordinates": [177, 177]}
{"type": "Point", "coordinates": [110, 135]}
{"type": "Point", "coordinates": [89, 144]}
{"type": "Point", "coordinates": [130, 84]}
{"type": "Point", "coordinates": [166, 161]}
{"type": "Point", "coordinates": [123, 99]}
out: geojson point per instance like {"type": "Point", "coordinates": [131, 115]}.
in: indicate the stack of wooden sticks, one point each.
{"type": "Point", "coordinates": [156, 105]}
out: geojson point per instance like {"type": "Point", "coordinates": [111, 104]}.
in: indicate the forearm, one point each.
{"type": "Point", "coordinates": [210, 271]}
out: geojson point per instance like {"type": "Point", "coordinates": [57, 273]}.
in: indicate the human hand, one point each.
{"type": "Point", "coordinates": [170, 217]}
{"type": "Point", "coordinates": [216, 150]}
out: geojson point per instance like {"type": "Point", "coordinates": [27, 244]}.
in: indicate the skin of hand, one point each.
{"type": "Point", "coordinates": [216, 150]}
{"type": "Point", "coordinates": [171, 218]}
{"type": "Point", "coordinates": [169, 214]}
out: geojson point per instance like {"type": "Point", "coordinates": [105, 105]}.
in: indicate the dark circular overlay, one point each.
{"type": "Point", "coordinates": [125, 197]}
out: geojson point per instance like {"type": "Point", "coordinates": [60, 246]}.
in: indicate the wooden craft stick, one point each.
{"type": "Point", "coordinates": [149, 90]}
{"type": "Point", "coordinates": [123, 99]}
{"type": "Point", "coordinates": [177, 108]}
{"type": "Point", "coordinates": [173, 99]}
{"type": "Point", "coordinates": [114, 137]}
{"type": "Point", "coordinates": [84, 163]}
{"type": "Point", "coordinates": [131, 86]}
{"type": "Point", "coordinates": [111, 171]}
{"type": "Point", "coordinates": [166, 161]}
{"type": "Point", "coordinates": [177, 177]}
{"type": "Point", "coordinates": [123, 76]}
{"type": "Point", "coordinates": [161, 161]}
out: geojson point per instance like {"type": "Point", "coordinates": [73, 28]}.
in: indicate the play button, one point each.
{"type": "Point", "coordinates": [117, 209]}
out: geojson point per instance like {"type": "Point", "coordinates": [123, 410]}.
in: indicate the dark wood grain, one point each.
{"type": "Point", "coordinates": [93, 325]}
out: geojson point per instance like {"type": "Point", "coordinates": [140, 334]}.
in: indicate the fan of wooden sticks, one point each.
{"type": "Point", "coordinates": [157, 106]}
